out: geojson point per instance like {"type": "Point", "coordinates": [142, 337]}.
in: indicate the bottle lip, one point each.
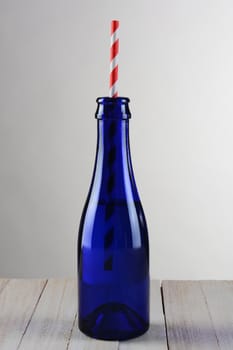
{"type": "Point", "coordinates": [110, 100]}
{"type": "Point", "coordinates": [112, 108]}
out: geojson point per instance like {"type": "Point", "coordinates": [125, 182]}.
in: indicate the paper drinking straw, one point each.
{"type": "Point", "coordinates": [114, 51]}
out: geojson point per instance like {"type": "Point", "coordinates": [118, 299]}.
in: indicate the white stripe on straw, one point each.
{"type": "Point", "coordinates": [113, 63]}
{"type": "Point", "coordinates": [113, 89]}
{"type": "Point", "coordinates": [114, 36]}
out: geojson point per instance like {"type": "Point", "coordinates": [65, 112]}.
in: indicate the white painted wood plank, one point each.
{"type": "Point", "coordinates": [18, 300]}
{"type": "Point", "coordinates": [155, 337]}
{"type": "Point", "coordinates": [52, 322]}
{"type": "Point", "coordinates": [80, 341]}
{"type": "Point", "coordinates": [219, 298]}
{"type": "Point", "coordinates": [189, 325]}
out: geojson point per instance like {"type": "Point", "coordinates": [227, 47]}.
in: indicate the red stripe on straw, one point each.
{"type": "Point", "coordinates": [114, 76]}
{"type": "Point", "coordinates": [114, 49]}
{"type": "Point", "coordinates": [114, 26]}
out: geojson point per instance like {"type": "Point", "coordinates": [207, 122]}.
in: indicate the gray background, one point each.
{"type": "Point", "coordinates": [176, 65]}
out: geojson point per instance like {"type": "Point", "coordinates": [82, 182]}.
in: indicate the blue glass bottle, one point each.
{"type": "Point", "coordinates": [113, 246]}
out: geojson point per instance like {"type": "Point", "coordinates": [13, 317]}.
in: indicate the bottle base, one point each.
{"type": "Point", "coordinates": [113, 321]}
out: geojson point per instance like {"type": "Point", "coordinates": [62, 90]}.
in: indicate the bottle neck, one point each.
{"type": "Point", "coordinates": [113, 142]}
{"type": "Point", "coordinates": [113, 169]}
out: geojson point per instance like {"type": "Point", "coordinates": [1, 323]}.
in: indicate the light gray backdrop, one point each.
{"type": "Point", "coordinates": [176, 65]}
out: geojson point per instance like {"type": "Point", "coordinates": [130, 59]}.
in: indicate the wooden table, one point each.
{"type": "Point", "coordinates": [41, 314]}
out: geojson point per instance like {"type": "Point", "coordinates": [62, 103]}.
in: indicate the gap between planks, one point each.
{"type": "Point", "coordinates": [219, 299]}
{"type": "Point", "coordinates": [43, 288]}
{"type": "Point", "coordinates": [39, 314]}
{"type": "Point", "coordinates": [187, 317]}
{"type": "Point", "coordinates": [17, 302]}
{"type": "Point", "coordinates": [199, 314]}
{"type": "Point", "coordinates": [154, 338]}
{"type": "Point", "coordinates": [42, 314]}
{"type": "Point", "coordinates": [53, 319]}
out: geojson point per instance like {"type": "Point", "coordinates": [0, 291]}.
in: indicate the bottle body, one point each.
{"type": "Point", "coordinates": [113, 246]}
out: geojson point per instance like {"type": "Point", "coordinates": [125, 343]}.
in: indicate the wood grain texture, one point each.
{"type": "Point", "coordinates": [189, 325]}
{"type": "Point", "coordinates": [155, 338]}
{"type": "Point", "coordinates": [36, 314]}
{"type": "Point", "coordinates": [18, 299]}
{"type": "Point", "coordinates": [52, 322]}
{"type": "Point", "coordinates": [219, 299]}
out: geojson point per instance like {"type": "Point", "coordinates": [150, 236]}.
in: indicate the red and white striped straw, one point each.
{"type": "Point", "coordinates": [114, 51]}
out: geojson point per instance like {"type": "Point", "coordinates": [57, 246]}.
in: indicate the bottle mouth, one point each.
{"type": "Point", "coordinates": [106, 100]}
{"type": "Point", "coordinates": [112, 108]}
